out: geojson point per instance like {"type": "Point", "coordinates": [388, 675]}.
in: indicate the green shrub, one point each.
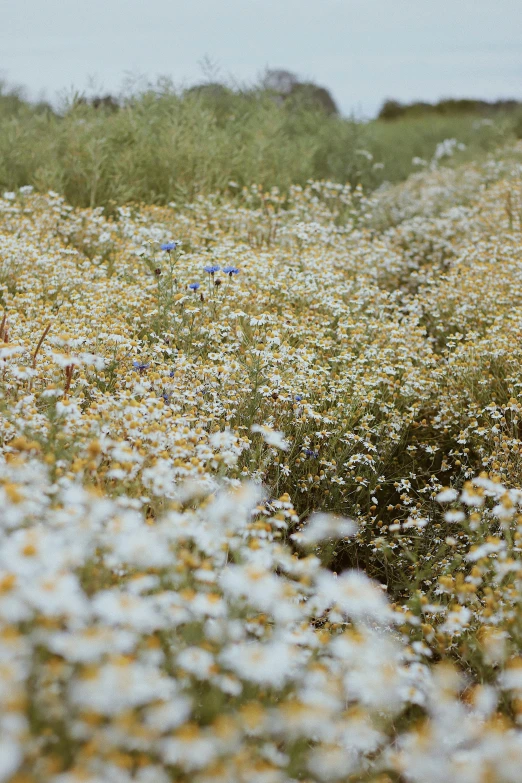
{"type": "Point", "coordinates": [161, 145]}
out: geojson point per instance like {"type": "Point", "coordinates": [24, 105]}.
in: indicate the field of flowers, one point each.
{"type": "Point", "coordinates": [261, 485]}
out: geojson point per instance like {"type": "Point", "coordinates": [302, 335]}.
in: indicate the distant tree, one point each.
{"type": "Point", "coordinates": [308, 95]}
{"type": "Point", "coordinates": [391, 110]}
{"type": "Point", "coordinates": [288, 88]}
{"type": "Point", "coordinates": [279, 81]}
{"type": "Point", "coordinates": [106, 102]}
{"type": "Point", "coordinates": [213, 91]}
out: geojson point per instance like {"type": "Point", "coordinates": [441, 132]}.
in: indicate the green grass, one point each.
{"type": "Point", "coordinates": [162, 145]}
{"type": "Point", "coordinates": [397, 143]}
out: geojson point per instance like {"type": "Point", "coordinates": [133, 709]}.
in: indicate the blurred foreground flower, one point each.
{"type": "Point", "coordinates": [271, 437]}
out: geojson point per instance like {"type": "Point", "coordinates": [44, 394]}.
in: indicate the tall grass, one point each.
{"type": "Point", "coordinates": [397, 144]}
{"type": "Point", "coordinates": [161, 145]}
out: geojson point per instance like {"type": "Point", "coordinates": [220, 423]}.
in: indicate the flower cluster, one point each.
{"type": "Point", "coordinates": [267, 526]}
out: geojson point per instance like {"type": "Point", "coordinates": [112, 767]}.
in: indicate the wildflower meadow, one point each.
{"type": "Point", "coordinates": [261, 483]}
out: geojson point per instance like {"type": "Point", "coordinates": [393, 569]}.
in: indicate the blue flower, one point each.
{"type": "Point", "coordinates": [298, 397]}
{"type": "Point", "coordinates": [168, 246]}
{"type": "Point", "coordinates": [230, 270]}
{"type": "Point", "coordinates": [211, 269]}
{"type": "Point", "coordinates": [311, 453]}
{"type": "Point", "coordinates": [141, 366]}
{"type": "Point", "coordinates": [166, 398]}
{"type": "Point", "coordinates": [194, 286]}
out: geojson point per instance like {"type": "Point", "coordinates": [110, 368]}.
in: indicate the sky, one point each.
{"type": "Point", "coordinates": [363, 51]}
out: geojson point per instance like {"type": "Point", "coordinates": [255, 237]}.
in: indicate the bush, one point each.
{"type": "Point", "coordinates": [161, 145]}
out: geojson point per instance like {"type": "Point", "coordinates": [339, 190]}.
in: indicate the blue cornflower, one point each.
{"type": "Point", "coordinates": [311, 453]}
{"type": "Point", "coordinates": [211, 269]}
{"type": "Point", "coordinates": [168, 246]}
{"type": "Point", "coordinates": [172, 373]}
{"type": "Point", "coordinates": [194, 286]}
{"type": "Point", "coordinates": [230, 270]}
{"type": "Point", "coordinates": [298, 397]}
{"type": "Point", "coordinates": [141, 366]}
{"type": "Point", "coordinates": [166, 398]}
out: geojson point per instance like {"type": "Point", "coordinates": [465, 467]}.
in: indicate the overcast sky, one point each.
{"type": "Point", "coordinates": [362, 50]}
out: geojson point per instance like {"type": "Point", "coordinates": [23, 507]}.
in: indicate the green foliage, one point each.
{"type": "Point", "coordinates": [397, 144]}
{"type": "Point", "coordinates": [162, 145]}
{"type": "Point", "coordinates": [393, 110]}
